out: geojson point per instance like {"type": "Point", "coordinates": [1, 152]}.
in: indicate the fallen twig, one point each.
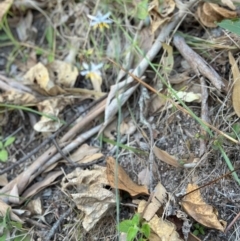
{"type": "Point", "coordinates": [56, 225]}
{"type": "Point", "coordinates": [204, 114]}
{"type": "Point", "coordinates": [198, 64]}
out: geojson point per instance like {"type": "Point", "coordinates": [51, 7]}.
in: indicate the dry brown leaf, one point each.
{"type": "Point", "coordinates": [166, 8]}
{"type": "Point", "coordinates": [49, 80]}
{"type": "Point", "coordinates": [51, 107]}
{"type": "Point", "coordinates": [144, 177]}
{"type": "Point", "coordinates": [14, 195]}
{"type": "Point", "coordinates": [91, 197]}
{"type": "Point", "coordinates": [38, 75]}
{"type": "Point", "coordinates": [18, 98]}
{"type": "Point", "coordinates": [62, 73]}
{"type": "Point", "coordinates": [160, 13]}
{"type": "Point", "coordinates": [4, 6]}
{"type": "Point", "coordinates": [192, 237]}
{"type": "Point", "coordinates": [84, 151]}
{"type": "Point", "coordinates": [157, 102]}
{"type": "Point", "coordinates": [165, 157]}
{"type": "Point", "coordinates": [158, 199]}
{"type": "Point", "coordinates": [124, 182]}
{"type": "Point", "coordinates": [168, 60]}
{"type": "Point", "coordinates": [157, 21]}
{"type": "Point", "coordinates": [229, 3]}
{"type": "Point", "coordinates": [160, 229]}
{"type": "Point", "coordinates": [3, 180]}
{"type": "Point", "coordinates": [38, 186]}
{"type": "Point", "coordinates": [179, 78]}
{"type": "Point", "coordinates": [236, 85]}
{"type": "Point", "coordinates": [35, 206]}
{"type": "Point", "coordinates": [3, 210]}
{"type": "Point", "coordinates": [203, 213]}
{"type": "Point", "coordinates": [209, 13]}
{"type": "Point", "coordinates": [127, 127]}
{"type": "Point", "coordinates": [89, 159]}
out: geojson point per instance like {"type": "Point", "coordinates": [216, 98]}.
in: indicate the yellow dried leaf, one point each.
{"type": "Point", "coordinates": [168, 60]}
{"type": "Point", "coordinates": [236, 85]}
{"type": "Point", "coordinates": [203, 213]}
{"type": "Point", "coordinates": [62, 73]}
{"type": "Point", "coordinates": [38, 75]}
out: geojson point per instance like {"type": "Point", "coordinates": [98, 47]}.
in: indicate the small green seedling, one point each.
{"type": "Point", "coordinates": [3, 150]}
{"type": "Point", "coordinates": [12, 228]}
{"type": "Point", "coordinates": [236, 131]}
{"type": "Point", "coordinates": [198, 229]}
{"type": "Point", "coordinates": [135, 228]}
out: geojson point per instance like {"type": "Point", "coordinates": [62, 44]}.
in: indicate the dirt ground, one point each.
{"type": "Point", "coordinates": [197, 138]}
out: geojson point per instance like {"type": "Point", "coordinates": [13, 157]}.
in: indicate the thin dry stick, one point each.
{"type": "Point", "coordinates": [56, 225]}
{"type": "Point", "coordinates": [204, 114]}
{"type": "Point", "coordinates": [231, 224]}
{"type": "Point", "coordinates": [198, 64]}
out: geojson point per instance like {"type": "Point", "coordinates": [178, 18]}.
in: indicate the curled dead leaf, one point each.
{"type": "Point", "coordinates": [209, 13]}
{"type": "Point", "coordinates": [90, 196]}
{"type": "Point", "coordinates": [124, 182]}
{"type": "Point", "coordinates": [203, 213]}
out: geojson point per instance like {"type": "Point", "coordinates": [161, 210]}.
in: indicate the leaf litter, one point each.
{"type": "Point", "coordinates": [49, 67]}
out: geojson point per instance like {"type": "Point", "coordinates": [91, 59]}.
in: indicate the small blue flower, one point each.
{"type": "Point", "coordinates": [92, 71]}
{"type": "Point", "coordinates": [100, 21]}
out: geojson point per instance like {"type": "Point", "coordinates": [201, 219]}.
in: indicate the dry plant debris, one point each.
{"type": "Point", "coordinates": [89, 59]}
{"type": "Point", "coordinates": [118, 178]}
{"type": "Point", "coordinates": [194, 205]}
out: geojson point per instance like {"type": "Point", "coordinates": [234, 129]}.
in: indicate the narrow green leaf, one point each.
{"type": "Point", "coordinates": [50, 36]}
{"type": "Point", "coordinates": [22, 237]}
{"type": "Point", "coordinates": [3, 155]}
{"type": "Point", "coordinates": [145, 229]}
{"type": "Point", "coordinates": [132, 233]}
{"type": "Point", "coordinates": [9, 141]}
{"type": "Point", "coordinates": [231, 25]}
{"type": "Point", "coordinates": [1, 145]}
